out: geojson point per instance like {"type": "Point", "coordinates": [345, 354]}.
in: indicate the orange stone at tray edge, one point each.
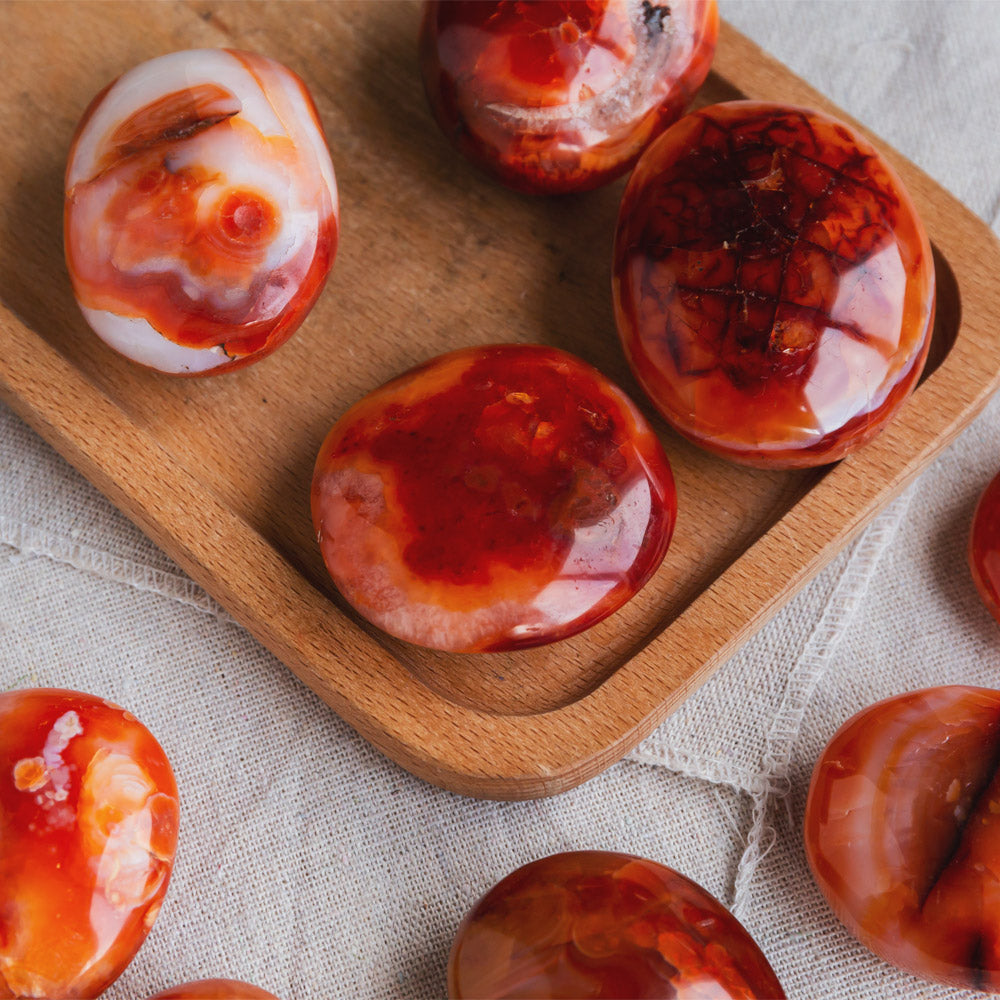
{"type": "Point", "coordinates": [88, 833]}
{"type": "Point", "coordinates": [562, 95]}
{"type": "Point", "coordinates": [984, 547]}
{"type": "Point", "coordinates": [773, 284]}
{"type": "Point", "coordinates": [902, 832]}
{"type": "Point", "coordinates": [492, 498]}
{"type": "Point", "coordinates": [598, 923]}
{"type": "Point", "coordinates": [214, 989]}
{"type": "Point", "coordinates": [201, 215]}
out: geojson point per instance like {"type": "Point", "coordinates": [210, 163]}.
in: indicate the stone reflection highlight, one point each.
{"type": "Point", "coordinates": [601, 924]}
{"type": "Point", "coordinates": [773, 284]}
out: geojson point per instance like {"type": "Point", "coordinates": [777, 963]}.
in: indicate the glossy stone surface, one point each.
{"type": "Point", "coordinates": [562, 95]}
{"type": "Point", "coordinates": [492, 498]}
{"type": "Point", "coordinates": [214, 989]}
{"type": "Point", "coordinates": [88, 830]}
{"type": "Point", "coordinates": [773, 285]}
{"type": "Point", "coordinates": [598, 924]}
{"type": "Point", "coordinates": [984, 547]}
{"type": "Point", "coordinates": [201, 210]}
{"type": "Point", "coordinates": [902, 832]}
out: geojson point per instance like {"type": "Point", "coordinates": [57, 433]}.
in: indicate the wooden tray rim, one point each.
{"type": "Point", "coordinates": [520, 756]}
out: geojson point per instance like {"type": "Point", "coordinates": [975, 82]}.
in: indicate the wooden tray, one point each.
{"type": "Point", "coordinates": [433, 256]}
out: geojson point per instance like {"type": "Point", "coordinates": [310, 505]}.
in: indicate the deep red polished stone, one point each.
{"type": "Point", "coordinates": [214, 989]}
{"type": "Point", "coordinates": [773, 285]}
{"type": "Point", "coordinates": [492, 498]}
{"type": "Point", "coordinates": [88, 830]}
{"type": "Point", "coordinates": [902, 831]}
{"type": "Point", "coordinates": [599, 924]}
{"type": "Point", "coordinates": [984, 547]}
{"type": "Point", "coordinates": [562, 95]}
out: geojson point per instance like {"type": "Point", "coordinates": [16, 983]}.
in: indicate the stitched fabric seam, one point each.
{"type": "Point", "coordinates": [702, 767]}
{"type": "Point", "coordinates": [175, 586]}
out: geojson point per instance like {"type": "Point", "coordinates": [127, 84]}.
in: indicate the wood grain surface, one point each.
{"type": "Point", "coordinates": [433, 256]}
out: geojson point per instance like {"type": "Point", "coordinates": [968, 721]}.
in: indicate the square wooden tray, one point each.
{"type": "Point", "coordinates": [433, 256]}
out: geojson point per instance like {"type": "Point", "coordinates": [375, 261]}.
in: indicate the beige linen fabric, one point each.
{"type": "Point", "coordinates": [315, 868]}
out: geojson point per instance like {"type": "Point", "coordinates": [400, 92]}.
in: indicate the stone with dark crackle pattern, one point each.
{"type": "Point", "coordinates": [88, 831]}
{"type": "Point", "coordinates": [493, 498]}
{"type": "Point", "coordinates": [562, 95]}
{"type": "Point", "coordinates": [600, 924]}
{"type": "Point", "coordinates": [773, 284]}
{"type": "Point", "coordinates": [902, 831]}
{"type": "Point", "coordinates": [984, 547]}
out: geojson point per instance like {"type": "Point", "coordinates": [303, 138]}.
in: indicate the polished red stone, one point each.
{"type": "Point", "coordinates": [984, 547]}
{"type": "Point", "coordinates": [598, 924]}
{"type": "Point", "coordinates": [201, 212]}
{"type": "Point", "coordinates": [562, 95]}
{"type": "Point", "coordinates": [773, 285]}
{"type": "Point", "coordinates": [214, 989]}
{"type": "Point", "coordinates": [88, 830]}
{"type": "Point", "coordinates": [902, 831]}
{"type": "Point", "coordinates": [492, 498]}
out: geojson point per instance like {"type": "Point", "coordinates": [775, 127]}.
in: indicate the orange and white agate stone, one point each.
{"type": "Point", "coordinates": [88, 832]}
{"type": "Point", "coordinates": [201, 214]}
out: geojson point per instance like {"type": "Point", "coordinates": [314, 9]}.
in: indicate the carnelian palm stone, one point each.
{"type": "Point", "coordinates": [902, 831]}
{"type": "Point", "coordinates": [773, 284]}
{"type": "Point", "coordinates": [599, 924]}
{"type": "Point", "coordinates": [88, 830]}
{"type": "Point", "coordinates": [562, 95]}
{"type": "Point", "coordinates": [984, 547]}
{"type": "Point", "coordinates": [492, 498]}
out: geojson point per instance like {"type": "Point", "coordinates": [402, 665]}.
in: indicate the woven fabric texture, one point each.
{"type": "Point", "coordinates": [315, 868]}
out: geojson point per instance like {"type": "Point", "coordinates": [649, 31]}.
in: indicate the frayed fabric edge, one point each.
{"type": "Point", "coordinates": [820, 648]}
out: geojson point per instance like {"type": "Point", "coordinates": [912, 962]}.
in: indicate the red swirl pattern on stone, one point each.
{"type": "Point", "coordinates": [553, 96]}
{"type": "Point", "coordinates": [773, 284]}
{"type": "Point", "coordinates": [902, 832]}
